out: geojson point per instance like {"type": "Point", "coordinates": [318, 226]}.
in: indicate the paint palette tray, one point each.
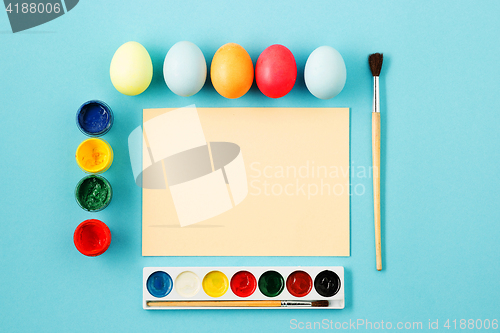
{"type": "Point", "coordinates": [282, 287]}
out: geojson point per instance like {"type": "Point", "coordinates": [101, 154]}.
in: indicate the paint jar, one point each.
{"type": "Point", "coordinates": [92, 237]}
{"type": "Point", "coordinates": [93, 193]}
{"type": "Point", "coordinates": [94, 155]}
{"type": "Point", "coordinates": [94, 118]}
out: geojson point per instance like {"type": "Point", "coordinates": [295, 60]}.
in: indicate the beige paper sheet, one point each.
{"type": "Point", "coordinates": [297, 167]}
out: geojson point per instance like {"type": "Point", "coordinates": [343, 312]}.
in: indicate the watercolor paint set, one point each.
{"type": "Point", "coordinates": [285, 287]}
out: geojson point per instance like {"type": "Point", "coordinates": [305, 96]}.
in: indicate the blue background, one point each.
{"type": "Point", "coordinates": [441, 212]}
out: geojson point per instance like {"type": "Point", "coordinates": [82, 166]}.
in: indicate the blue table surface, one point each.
{"type": "Point", "coordinates": [440, 154]}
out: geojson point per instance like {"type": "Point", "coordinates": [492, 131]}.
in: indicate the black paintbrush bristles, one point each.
{"type": "Point", "coordinates": [319, 304]}
{"type": "Point", "coordinates": [375, 60]}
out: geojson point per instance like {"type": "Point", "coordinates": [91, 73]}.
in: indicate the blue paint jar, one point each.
{"type": "Point", "coordinates": [159, 284]}
{"type": "Point", "coordinates": [94, 118]}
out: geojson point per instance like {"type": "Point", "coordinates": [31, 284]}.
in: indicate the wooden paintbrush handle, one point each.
{"type": "Point", "coordinates": [215, 303]}
{"type": "Point", "coordinates": [376, 185]}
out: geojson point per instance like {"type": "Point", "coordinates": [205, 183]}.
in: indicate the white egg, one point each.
{"type": "Point", "coordinates": [185, 69]}
{"type": "Point", "coordinates": [325, 72]}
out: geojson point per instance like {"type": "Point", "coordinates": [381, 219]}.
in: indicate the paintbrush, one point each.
{"type": "Point", "coordinates": [375, 61]}
{"type": "Point", "coordinates": [264, 304]}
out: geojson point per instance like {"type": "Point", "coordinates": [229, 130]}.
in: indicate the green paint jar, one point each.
{"type": "Point", "coordinates": [93, 193]}
{"type": "Point", "coordinates": [271, 283]}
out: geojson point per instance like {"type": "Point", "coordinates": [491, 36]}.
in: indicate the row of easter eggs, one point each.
{"type": "Point", "coordinates": [231, 71]}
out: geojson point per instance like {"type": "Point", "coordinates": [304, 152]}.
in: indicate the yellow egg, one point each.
{"type": "Point", "coordinates": [231, 71]}
{"type": "Point", "coordinates": [131, 69]}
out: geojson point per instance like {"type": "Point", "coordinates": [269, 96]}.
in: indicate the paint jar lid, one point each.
{"type": "Point", "coordinates": [93, 193]}
{"type": "Point", "coordinates": [94, 118]}
{"type": "Point", "coordinates": [92, 237]}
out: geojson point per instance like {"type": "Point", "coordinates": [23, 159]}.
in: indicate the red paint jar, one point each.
{"type": "Point", "coordinates": [243, 284]}
{"type": "Point", "coordinates": [92, 237]}
{"type": "Point", "coordinates": [299, 283]}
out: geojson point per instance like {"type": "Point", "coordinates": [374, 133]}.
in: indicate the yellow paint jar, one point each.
{"type": "Point", "coordinates": [215, 284]}
{"type": "Point", "coordinates": [94, 155]}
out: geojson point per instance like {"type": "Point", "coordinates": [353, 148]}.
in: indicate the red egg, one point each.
{"type": "Point", "coordinates": [276, 71]}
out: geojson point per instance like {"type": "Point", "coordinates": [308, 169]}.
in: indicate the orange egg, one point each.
{"type": "Point", "coordinates": [231, 71]}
